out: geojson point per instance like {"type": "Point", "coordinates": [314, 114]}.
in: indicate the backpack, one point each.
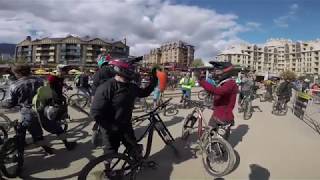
{"type": "Point", "coordinates": [41, 99]}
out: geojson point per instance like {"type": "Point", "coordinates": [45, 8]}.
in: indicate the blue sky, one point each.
{"type": "Point", "coordinates": [294, 19]}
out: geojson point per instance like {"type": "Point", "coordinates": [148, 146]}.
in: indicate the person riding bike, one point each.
{"type": "Point", "coordinates": [112, 108]}
{"type": "Point", "coordinates": [284, 91]}
{"type": "Point", "coordinates": [246, 87]}
{"type": "Point", "coordinates": [225, 93]}
{"type": "Point", "coordinates": [268, 86]}
{"type": "Point", "coordinates": [57, 108]}
{"type": "Point", "coordinates": [20, 94]}
{"type": "Point", "coordinates": [186, 85]}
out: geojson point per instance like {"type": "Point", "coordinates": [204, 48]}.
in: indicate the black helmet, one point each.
{"type": "Point", "coordinates": [227, 68]}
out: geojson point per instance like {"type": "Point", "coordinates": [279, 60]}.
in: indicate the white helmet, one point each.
{"type": "Point", "coordinates": [306, 80]}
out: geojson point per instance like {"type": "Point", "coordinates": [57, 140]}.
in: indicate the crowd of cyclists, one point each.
{"type": "Point", "coordinates": [113, 90]}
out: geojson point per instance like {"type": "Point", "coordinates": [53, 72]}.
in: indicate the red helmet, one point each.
{"type": "Point", "coordinates": [124, 68]}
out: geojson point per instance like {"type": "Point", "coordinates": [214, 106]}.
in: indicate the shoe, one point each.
{"type": "Point", "coordinates": [48, 149]}
{"type": "Point", "coordinates": [70, 145]}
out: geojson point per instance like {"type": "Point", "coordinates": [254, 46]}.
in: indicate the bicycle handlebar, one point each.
{"type": "Point", "coordinates": [161, 106]}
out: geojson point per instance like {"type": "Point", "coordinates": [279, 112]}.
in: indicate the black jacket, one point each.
{"type": "Point", "coordinates": [114, 101]}
{"type": "Point", "coordinates": [101, 76]}
{"type": "Point", "coordinates": [285, 89]}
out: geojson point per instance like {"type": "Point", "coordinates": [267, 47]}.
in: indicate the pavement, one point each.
{"type": "Point", "coordinates": [267, 147]}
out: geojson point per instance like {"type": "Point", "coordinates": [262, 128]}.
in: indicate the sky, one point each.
{"type": "Point", "coordinates": [209, 25]}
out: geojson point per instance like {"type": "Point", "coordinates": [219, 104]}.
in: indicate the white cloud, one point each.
{"type": "Point", "coordinates": [145, 23]}
{"type": "Point", "coordinates": [283, 21]}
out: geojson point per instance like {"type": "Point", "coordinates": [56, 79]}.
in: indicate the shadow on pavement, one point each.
{"type": "Point", "coordinates": [256, 107]}
{"type": "Point", "coordinates": [312, 123]}
{"type": "Point", "coordinates": [258, 172]}
{"type": "Point", "coordinates": [166, 158]}
{"type": "Point", "coordinates": [237, 134]}
{"type": "Point", "coordinates": [62, 158]}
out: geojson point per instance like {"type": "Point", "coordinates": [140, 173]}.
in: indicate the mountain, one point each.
{"type": "Point", "coordinates": [6, 48]}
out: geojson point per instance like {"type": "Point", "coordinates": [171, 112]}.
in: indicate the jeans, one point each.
{"type": "Point", "coordinates": [29, 122]}
{"type": "Point", "coordinates": [186, 92]}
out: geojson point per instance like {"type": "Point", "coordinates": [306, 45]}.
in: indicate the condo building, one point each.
{"type": "Point", "coordinates": [275, 56]}
{"type": "Point", "coordinates": [70, 50]}
{"type": "Point", "coordinates": [176, 53]}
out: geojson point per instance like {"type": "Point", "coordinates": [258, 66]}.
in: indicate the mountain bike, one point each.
{"type": "Point", "coordinates": [279, 106]}
{"type": "Point", "coordinates": [215, 148]}
{"type": "Point", "coordinates": [125, 164]}
{"type": "Point", "coordinates": [246, 106]}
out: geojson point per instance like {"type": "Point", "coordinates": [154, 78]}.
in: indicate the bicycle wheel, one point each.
{"type": "Point", "coordinates": [218, 157]}
{"type": "Point", "coordinates": [202, 94]}
{"type": "Point", "coordinates": [2, 94]}
{"type": "Point", "coordinates": [3, 135]}
{"type": "Point", "coordinates": [170, 110]}
{"type": "Point", "coordinates": [79, 100]}
{"type": "Point", "coordinates": [10, 161]}
{"type": "Point", "coordinates": [5, 122]}
{"type": "Point", "coordinates": [284, 108]}
{"type": "Point", "coordinates": [121, 167]}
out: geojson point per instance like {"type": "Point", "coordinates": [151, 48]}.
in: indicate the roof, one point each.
{"type": "Point", "coordinates": [83, 39]}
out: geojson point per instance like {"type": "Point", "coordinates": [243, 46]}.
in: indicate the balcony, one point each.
{"type": "Point", "coordinates": [73, 47]}
{"type": "Point", "coordinates": [51, 60]}
{"type": "Point", "coordinates": [39, 48]}
{"type": "Point", "coordinates": [89, 60]}
{"type": "Point", "coordinates": [51, 53]}
{"type": "Point", "coordinates": [89, 48]}
{"type": "Point", "coordinates": [89, 54]}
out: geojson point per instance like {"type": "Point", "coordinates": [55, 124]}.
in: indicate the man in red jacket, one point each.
{"type": "Point", "coordinates": [225, 93]}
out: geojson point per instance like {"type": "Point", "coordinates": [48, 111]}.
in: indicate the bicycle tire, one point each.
{"type": "Point", "coordinates": [94, 162]}
{"type": "Point", "coordinates": [202, 94]}
{"type": "Point", "coordinates": [5, 122]}
{"type": "Point", "coordinates": [3, 135]}
{"type": "Point", "coordinates": [2, 94]}
{"type": "Point", "coordinates": [231, 156]}
{"type": "Point", "coordinates": [170, 110]}
{"type": "Point", "coordinates": [8, 146]}
{"type": "Point", "coordinates": [84, 100]}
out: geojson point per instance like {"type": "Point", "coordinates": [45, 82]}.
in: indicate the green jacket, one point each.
{"type": "Point", "coordinates": [187, 83]}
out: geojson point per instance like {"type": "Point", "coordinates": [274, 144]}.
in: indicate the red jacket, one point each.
{"type": "Point", "coordinates": [225, 95]}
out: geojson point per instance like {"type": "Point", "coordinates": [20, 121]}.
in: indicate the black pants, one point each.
{"type": "Point", "coordinates": [112, 138]}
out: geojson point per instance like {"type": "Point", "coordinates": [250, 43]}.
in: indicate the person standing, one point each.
{"type": "Point", "coordinates": [21, 93]}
